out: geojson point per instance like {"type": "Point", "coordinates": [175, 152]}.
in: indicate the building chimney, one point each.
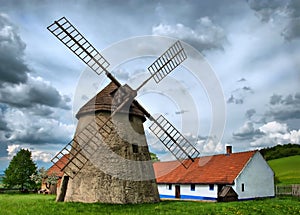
{"type": "Point", "coordinates": [228, 149]}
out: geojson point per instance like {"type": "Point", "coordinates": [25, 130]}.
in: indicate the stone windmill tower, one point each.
{"type": "Point", "coordinates": [96, 183]}
{"type": "Point", "coordinates": [109, 160]}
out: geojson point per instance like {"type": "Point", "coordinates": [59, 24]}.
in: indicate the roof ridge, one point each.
{"type": "Point", "coordinates": [170, 161]}
{"type": "Point", "coordinates": [103, 101]}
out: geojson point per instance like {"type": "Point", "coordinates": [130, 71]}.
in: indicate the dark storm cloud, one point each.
{"type": "Point", "coordinates": [247, 88]}
{"type": "Point", "coordinates": [233, 100]}
{"type": "Point", "coordinates": [32, 93]}
{"type": "Point", "coordinates": [206, 35]}
{"type": "Point", "coordinates": [12, 66]}
{"type": "Point", "coordinates": [3, 151]}
{"type": "Point", "coordinates": [16, 89]}
{"type": "Point", "coordinates": [247, 132]}
{"type": "Point", "coordinates": [284, 108]}
{"type": "Point", "coordinates": [278, 10]}
{"type": "Point", "coordinates": [40, 110]}
{"type": "Point", "coordinates": [3, 124]}
{"type": "Point", "coordinates": [35, 136]}
{"type": "Point", "coordinates": [249, 113]}
{"type": "Point", "coordinates": [30, 107]}
{"type": "Point", "coordinates": [275, 99]}
{"type": "Point", "coordinates": [238, 95]}
{"type": "Point", "coordinates": [265, 8]}
{"type": "Point", "coordinates": [292, 30]}
{"type": "Point", "coordinates": [287, 100]}
{"type": "Point", "coordinates": [241, 80]}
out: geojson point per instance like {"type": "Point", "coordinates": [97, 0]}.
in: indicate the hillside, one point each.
{"type": "Point", "coordinates": [280, 151]}
{"type": "Point", "coordinates": [287, 170]}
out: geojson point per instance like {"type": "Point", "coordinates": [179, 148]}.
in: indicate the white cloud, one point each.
{"type": "Point", "coordinates": [206, 35]}
{"type": "Point", "coordinates": [41, 156]}
{"type": "Point", "coordinates": [209, 147]}
{"type": "Point", "coordinates": [275, 133]}
{"type": "Point", "coordinates": [13, 149]}
{"type": "Point", "coordinates": [26, 128]}
{"type": "Point", "coordinates": [37, 155]}
{"type": "Point", "coordinates": [273, 127]}
{"type": "Point", "coordinates": [295, 136]}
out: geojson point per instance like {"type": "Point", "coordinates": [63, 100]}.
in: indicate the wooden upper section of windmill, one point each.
{"type": "Point", "coordinates": [103, 102]}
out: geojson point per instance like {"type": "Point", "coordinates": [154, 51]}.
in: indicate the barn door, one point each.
{"type": "Point", "coordinates": [177, 191]}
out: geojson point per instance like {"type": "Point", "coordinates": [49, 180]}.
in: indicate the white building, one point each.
{"type": "Point", "coordinates": [224, 177]}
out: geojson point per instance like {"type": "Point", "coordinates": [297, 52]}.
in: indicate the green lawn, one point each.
{"type": "Point", "coordinates": [45, 204]}
{"type": "Point", "coordinates": [287, 169]}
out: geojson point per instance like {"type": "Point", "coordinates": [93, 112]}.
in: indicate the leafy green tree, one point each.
{"type": "Point", "coordinates": [42, 177]}
{"type": "Point", "coordinates": [153, 156]}
{"type": "Point", "coordinates": [21, 167]}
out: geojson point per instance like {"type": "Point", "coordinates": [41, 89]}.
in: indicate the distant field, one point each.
{"type": "Point", "coordinates": [45, 204]}
{"type": "Point", "coordinates": [287, 169]}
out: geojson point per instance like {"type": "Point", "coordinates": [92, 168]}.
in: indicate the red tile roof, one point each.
{"type": "Point", "coordinates": [55, 168]}
{"type": "Point", "coordinates": [216, 169]}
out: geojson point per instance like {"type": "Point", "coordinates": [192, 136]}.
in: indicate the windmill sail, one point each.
{"type": "Point", "coordinates": [167, 62]}
{"type": "Point", "coordinates": [76, 42]}
{"type": "Point", "coordinates": [174, 141]}
{"type": "Point", "coordinates": [88, 140]}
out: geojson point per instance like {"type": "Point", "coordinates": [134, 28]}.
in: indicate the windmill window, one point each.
{"type": "Point", "coordinates": [130, 117]}
{"type": "Point", "coordinates": [169, 187]}
{"type": "Point", "coordinates": [193, 187]}
{"type": "Point", "coordinates": [135, 148]}
{"type": "Point", "coordinates": [211, 187]}
{"type": "Point", "coordinates": [243, 187]}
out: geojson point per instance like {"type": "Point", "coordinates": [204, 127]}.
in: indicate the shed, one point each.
{"type": "Point", "coordinates": [227, 194]}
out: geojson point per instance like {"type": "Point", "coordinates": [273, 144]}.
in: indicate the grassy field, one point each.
{"type": "Point", "coordinates": [45, 204]}
{"type": "Point", "coordinates": [287, 169]}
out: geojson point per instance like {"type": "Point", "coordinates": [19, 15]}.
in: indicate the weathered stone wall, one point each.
{"type": "Point", "coordinates": [115, 173]}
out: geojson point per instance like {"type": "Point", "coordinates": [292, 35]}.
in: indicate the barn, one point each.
{"type": "Point", "coordinates": [223, 177]}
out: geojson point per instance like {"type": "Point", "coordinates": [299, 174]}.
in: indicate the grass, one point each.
{"type": "Point", "coordinates": [45, 204]}
{"type": "Point", "coordinates": [287, 169]}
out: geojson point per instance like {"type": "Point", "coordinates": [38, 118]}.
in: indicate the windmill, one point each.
{"type": "Point", "coordinates": [96, 131]}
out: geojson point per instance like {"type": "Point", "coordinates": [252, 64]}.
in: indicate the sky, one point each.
{"type": "Point", "coordinates": [251, 47]}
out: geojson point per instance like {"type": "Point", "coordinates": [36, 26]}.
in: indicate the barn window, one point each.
{"type": "Point", "coordinates": [169, 186]}
{"type": "Point", "coordinates": [243, 187]}
{"type": "Point", "coordinates": [211, 187]}
{"type": "Point", "coordinates": [135, 148]}
{"type": "Point", "coordinates": [193, 187]}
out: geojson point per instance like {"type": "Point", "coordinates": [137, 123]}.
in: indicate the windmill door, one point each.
{"type": "Point", "coordinates": [177, 191]}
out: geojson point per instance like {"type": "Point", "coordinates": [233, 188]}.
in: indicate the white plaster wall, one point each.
{"type": "Point", "coordinates": [200, 190]}
{"type": "Point", "coordinates": [185, 191]}
{"type": "Point", "coordinates": [163, 190]}
{"type": "Point", "coordinates": [258, 179]}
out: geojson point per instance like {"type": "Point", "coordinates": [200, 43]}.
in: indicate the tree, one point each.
{"type": "Point", "coordinates": [20, 168]}
{"type": "Point", "coordinates": [153, 156]}
{"type": "Point", "coordinates": [42, 177]}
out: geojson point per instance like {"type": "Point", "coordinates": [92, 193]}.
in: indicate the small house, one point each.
{"type": "Point", "coordinates": [223, 177]}
{"type": "Point", "coordinates": [55, 169]}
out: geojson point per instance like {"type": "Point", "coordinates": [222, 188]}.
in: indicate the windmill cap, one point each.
{"type": "Point", "coordinates": [103, 102]}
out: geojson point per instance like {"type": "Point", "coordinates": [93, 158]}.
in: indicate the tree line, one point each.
{"type": "Point", "coordinates": [280, 151]}
{"type": "Point", "coordinates": [22, 173]}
